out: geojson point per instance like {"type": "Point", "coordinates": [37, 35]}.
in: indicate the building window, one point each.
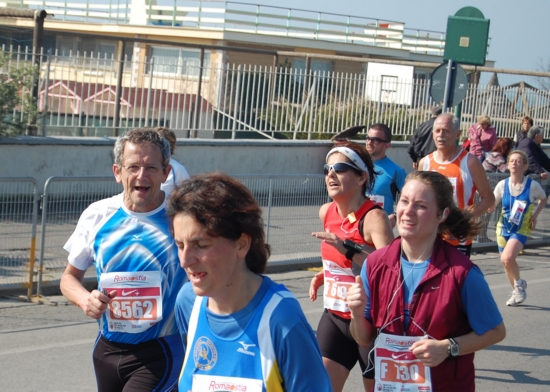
{"type": "Point", "coordinates": [321, 66]}
{"type": "Point", "coordinates": [177, 61]}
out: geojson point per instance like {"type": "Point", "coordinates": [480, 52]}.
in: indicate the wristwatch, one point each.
{"type": "Point", "coordinates": [454, 348]}
{"type": "Point", "coordinates": [352, 248]}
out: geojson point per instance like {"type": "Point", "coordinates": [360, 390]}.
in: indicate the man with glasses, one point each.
{"type": "Point", "coordinates": [390, 177]}
{"type": "Point", "coordinates": [127, 239]}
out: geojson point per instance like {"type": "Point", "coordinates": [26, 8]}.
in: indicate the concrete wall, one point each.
{"type": "Point", "coordinates": [42, 158]}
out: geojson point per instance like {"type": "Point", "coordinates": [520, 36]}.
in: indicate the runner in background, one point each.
{"type": "Point", "coordinates": [424, 342]}
{"type": "Point", "coordinates": [464, 171]}
{"type": "Point", "coordinates": [178, 174]}
{"type": "Point", "coordinates": [390, 177]}
{"type": "Point", "coordinates": [353, 226]}
{"type": "Point", "coordinates": [518, 217]}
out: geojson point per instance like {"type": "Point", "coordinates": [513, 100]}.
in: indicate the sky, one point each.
{"type": "Point", "coordinates": [519, 30]}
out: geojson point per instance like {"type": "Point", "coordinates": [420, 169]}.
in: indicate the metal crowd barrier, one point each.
{"type": "Point", "coordinates": [63, 201]}
{"type": "Point", "coordinates": [290, 205]}
{"type": "Point", "coordinates": [487, 237]}
{"type": "Point", "coordinates": [18, 217]}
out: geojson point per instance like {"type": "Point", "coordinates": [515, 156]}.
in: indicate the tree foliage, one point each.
{"type": "Point", "coordinates": [17, 106]}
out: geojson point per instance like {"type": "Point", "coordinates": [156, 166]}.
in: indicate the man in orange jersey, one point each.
{"type": "Point", "coordinates": [463, 170]}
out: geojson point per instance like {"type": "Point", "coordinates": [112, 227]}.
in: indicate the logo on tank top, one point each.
{"type": "Point", "coordinates": [244, 349]}
{"type": "Point", "coordinates": [205, 354]}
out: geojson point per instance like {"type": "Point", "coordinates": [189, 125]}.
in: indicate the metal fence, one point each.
{"type": "Point", "coordinates": [290, 207]}
{"type": "Point", "coordinates": [63, 201]}
{"type": "Point", "coordinates": [78, 96]}
{"type": "Point", "coordinates": [18, 217]}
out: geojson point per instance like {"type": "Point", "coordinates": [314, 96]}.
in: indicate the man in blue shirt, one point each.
{"type": "Point", "coordinates": [127, 239]}
{"type": "Point", "coordinates": [391, 177]}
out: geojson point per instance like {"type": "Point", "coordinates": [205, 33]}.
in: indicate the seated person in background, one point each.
{"type": "Point", "coordinates": [178, 174]}
{"type": "Point", "coordinates": [495, 161]}
{"type": "Point", "coordinates": [538, 160]}
{"type": "Point", "coordinates": [526, 124]}
{"type": "Point", "coordinates": [482, 136]}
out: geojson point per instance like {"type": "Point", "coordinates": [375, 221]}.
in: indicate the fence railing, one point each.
{"type": "Point", "coordinates": [78, 92]}
{"type": "Point", "coordinates": [290, 207]}
{"type": "Point", "coordinates": [18, 222]}
{"type": "Point", "coordinates": [246, 18]}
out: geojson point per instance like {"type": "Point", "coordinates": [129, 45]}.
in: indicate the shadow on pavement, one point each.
{"type": "Point", "coordinates": [517, 377]}
{"type": "Point", "coordinates": [521, 350]}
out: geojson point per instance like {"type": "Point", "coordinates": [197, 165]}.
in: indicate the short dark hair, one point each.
{"type": "Point", "coordinates": [528, 119]}
{"type": "Point", "coordinates": [382, 128]}
{"type": "Point", "coordinates": [224, 207]}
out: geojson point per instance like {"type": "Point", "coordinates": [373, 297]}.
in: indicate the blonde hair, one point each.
{"type": "Point", "coordinates": [484, 119]}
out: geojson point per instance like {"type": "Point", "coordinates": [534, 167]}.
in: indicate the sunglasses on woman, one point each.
{"type": "Point", "coordinates": [340, 167]}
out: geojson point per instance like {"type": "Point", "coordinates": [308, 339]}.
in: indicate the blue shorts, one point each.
{"type": "Point", "coordinates": [502, 240]}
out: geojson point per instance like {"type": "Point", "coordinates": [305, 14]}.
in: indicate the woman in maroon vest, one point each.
{"type": "Point", "coordinates": [353, 227]}
{"type": "Point", "coordinates": [430, 307]}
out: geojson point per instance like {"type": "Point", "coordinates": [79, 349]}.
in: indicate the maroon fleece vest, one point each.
{"type": "Point", "coordinates": [436, 306]}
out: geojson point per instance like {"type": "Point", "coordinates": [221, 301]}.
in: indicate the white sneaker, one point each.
{"type": "Point", "coordinates": [519, 294]}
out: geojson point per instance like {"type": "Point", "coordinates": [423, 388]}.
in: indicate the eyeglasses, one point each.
{"type": "Point", "coordinates": [376, 140]}
{"type": "Point", "coordinates": [149, 169]}
{"type": "Point", "coordinates": [340, 167]}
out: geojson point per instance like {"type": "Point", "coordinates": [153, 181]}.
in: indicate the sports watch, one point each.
{"type": "Point", "coordinates": [352, 248]}
{"type": "Point", "coordinates": [454, 348]}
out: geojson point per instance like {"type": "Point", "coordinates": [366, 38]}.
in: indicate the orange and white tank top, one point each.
{"type": "Point", "coordinates": [458, 174]}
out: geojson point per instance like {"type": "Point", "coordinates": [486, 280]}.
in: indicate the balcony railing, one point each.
{"type": "Point", "coordinates": [245, 18]}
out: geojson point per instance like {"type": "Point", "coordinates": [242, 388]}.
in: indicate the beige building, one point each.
{"type": "Point", "coordinates": [220, 57]}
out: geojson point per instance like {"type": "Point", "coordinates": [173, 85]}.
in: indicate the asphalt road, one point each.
{"type": "Point", "coordinates": [48, 348]}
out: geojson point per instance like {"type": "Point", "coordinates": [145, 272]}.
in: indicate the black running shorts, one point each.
{"type": "Point", "coordinates": [337, 344]}
{"type": "Point", "coordinates": [150, 366]}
